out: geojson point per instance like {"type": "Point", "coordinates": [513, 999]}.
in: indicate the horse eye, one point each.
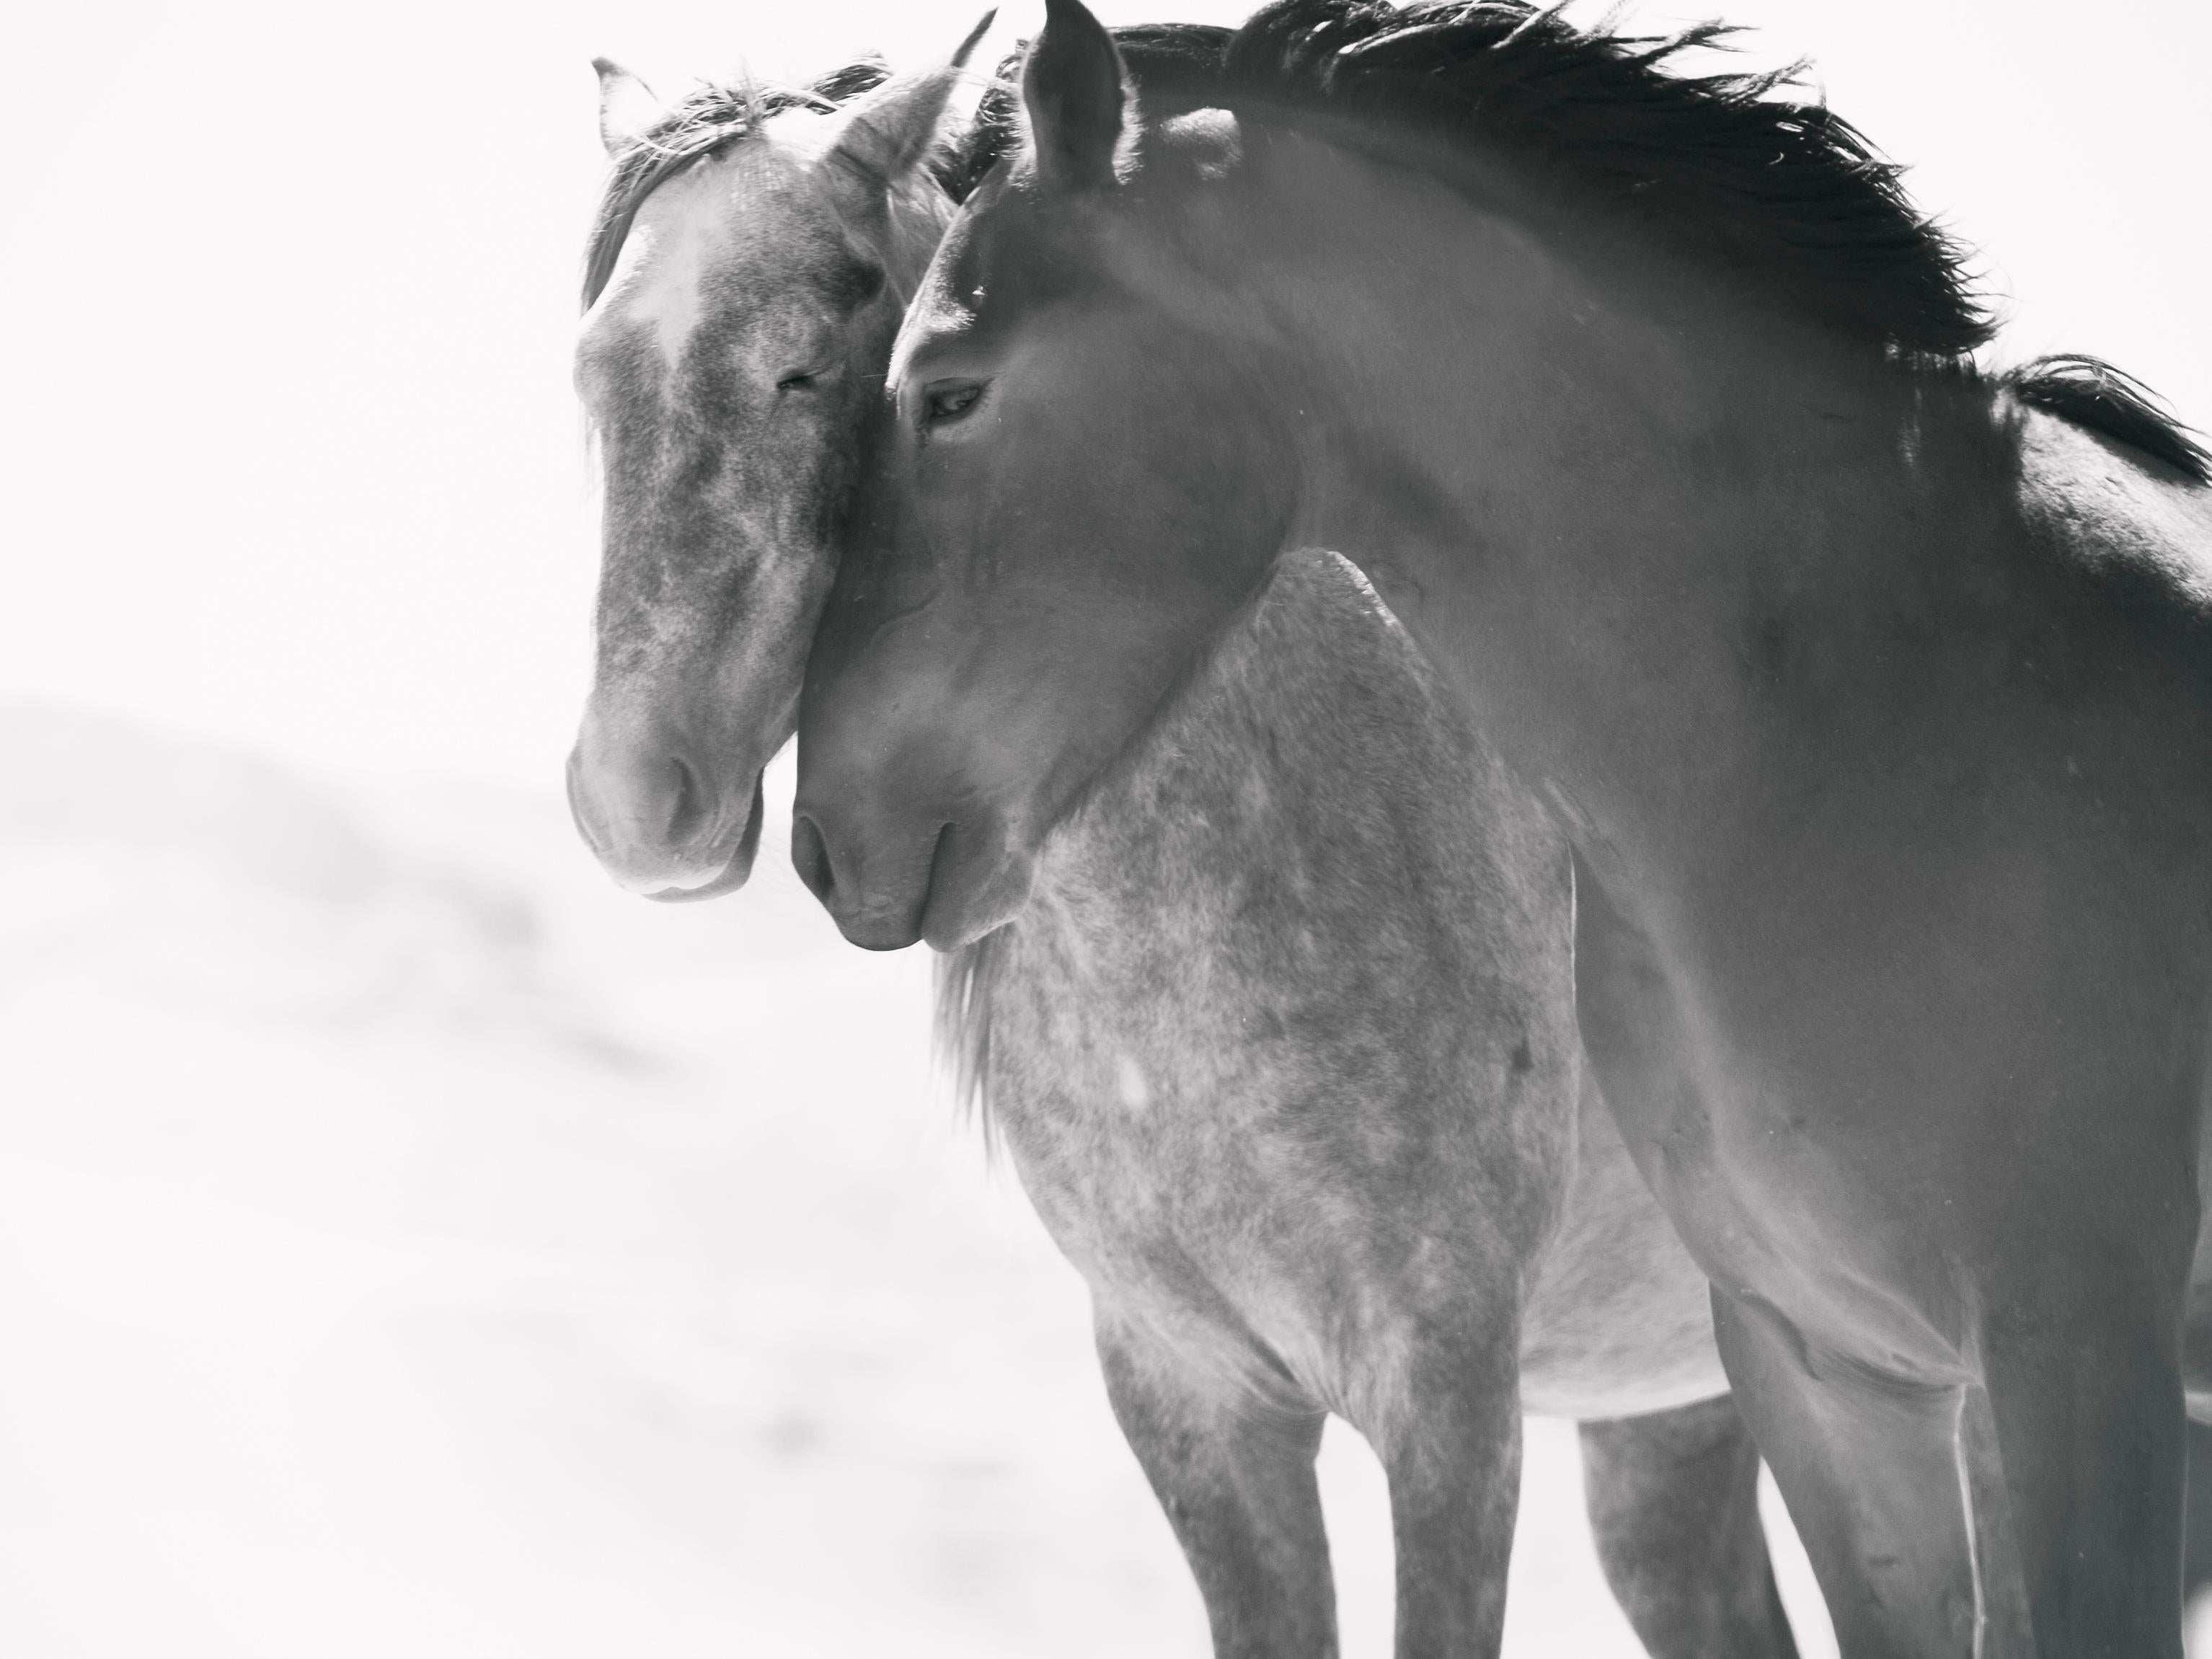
{"type": "Point", "coordinates": [948, 400]}
{"type": "Point", "coordinates": [799, 382]}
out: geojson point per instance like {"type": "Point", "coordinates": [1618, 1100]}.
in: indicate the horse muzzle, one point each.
{"type": "Point", "coordinates": [938, 880]}
{"type": "Point", "coordinates": [659, 822]}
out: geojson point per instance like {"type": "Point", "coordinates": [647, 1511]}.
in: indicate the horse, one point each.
{"type": "Point", "coordinates": [1312, 1123]}
{"type": "Point", "coordinates": [1871, 693]}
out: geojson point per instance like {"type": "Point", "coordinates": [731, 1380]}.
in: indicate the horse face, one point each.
{"type": "Point", "coordinates": [1074, 490]}
{"type": "Point", "coordinates": [726, 368]}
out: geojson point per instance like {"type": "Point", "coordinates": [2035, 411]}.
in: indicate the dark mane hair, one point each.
{"type": "Point", "coordinates": [696, 127]}
{"type": "Point", "coordinates": [1776, 184]}
{"type": "Point", "coordinates": [2090, 393]}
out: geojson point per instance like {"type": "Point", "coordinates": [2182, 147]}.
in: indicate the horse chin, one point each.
{"type": "Point", "coordinates": [735, 873]}
{"type": "Point", "coordinates": [974, 891]}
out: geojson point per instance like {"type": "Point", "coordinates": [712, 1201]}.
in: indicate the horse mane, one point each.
{"type": "Point", "coordinates": [2090, 393]}
{"type": "Point", "coordinates": [701, 124]}
{"type": "Point", "coordinates": [963, 982]}
{"type": "Point", "coordinates": [697, 126]}
{"type": "Point", "coordinates": [1777, 184]}
{"type": "Point", "coordinates": [1773, 182]}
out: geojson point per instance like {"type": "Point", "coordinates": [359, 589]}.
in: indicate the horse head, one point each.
{"type": "Point", "coordinates": [753, 257]}
{"type": "Point", "coordinates": [1077, 482]}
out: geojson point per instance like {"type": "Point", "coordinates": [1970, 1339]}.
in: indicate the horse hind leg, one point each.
{"type": "Point", "coordinates": [1674, 1507]}
{"type": "Point", "coordinates": [1234, 1472]}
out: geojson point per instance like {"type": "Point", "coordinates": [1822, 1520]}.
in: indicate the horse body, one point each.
{"type": "Point", "coordinates": [1313, 1123]}
{"type": "Point", "coordinates": [1282, 1045]}
{"type": "Point", "coordinates": [1875, 705]}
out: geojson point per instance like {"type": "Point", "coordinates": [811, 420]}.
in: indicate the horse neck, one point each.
{"type": "Point", "coordinates": [1579, 469]}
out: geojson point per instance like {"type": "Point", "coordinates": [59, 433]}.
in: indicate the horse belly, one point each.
{"type": "Point", "coordinates": [1619, 1321]}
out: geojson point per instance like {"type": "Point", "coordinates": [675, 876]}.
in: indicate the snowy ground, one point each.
{"type": "Point", "coordinates": [409, 1244]}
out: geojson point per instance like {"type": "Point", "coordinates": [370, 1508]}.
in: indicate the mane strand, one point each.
{"type": "Point", "coordinates": [2092, 393]}
{"type": "Point", "coordinates": [964, 984]}
{"type": "Point", "coordinates": [1776, 183]}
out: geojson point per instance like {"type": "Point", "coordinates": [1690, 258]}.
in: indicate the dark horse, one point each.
{"type": "Point", "coordinates": [1283, 1042]}
{"type": "Point", "coordinates": [1873, 696]}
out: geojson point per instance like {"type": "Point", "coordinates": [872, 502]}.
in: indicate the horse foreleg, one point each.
{"type": "Point", "coordinates": [1234, 1471]}
{"type": "Point", "coordinates": [2197, 1529]}
{"type": "Point", "coordinates": [1449, 1442]}
{"type": "Point", "coordinates": [1869, 1469]}
{"type": "Point", "coordinates": [1674, 1507]}
{"type": "Point", "coordinates": [2086, 1443]}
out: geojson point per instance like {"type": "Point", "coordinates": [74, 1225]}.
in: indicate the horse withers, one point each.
{"type": "Point", "coordinates": [1873, 694]}
{"type": "Point", "coordinates": [1282, 1044]}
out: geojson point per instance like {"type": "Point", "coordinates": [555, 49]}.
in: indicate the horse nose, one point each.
{"type": "Point", "coordinates": [661, 799]}
{"type": "Point", "coordinates": [876, 887]}
{"type": "Point", "coordinates": [649, 813]}
{"type": "Point", "coordinates": [809, 858]}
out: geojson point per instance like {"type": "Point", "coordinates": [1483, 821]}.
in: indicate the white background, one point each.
{"type": "Point", "coordinates": [408, 1244]}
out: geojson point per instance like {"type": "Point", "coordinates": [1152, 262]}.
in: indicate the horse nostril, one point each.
{"type": "Point", "coordinates": [687, 816]}
{"type": "Point", "coordinates": [810, 857]}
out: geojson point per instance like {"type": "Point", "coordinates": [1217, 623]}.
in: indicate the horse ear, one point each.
{"type": "Point", "coordinates": [890, 131]}
{"type": "Point", "coordinates": [1073, 87]}
{"type": "Point", "coordinates": [628, 108]}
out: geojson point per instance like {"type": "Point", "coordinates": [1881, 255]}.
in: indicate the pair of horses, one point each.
{"type": "Point", "coordinates": [1814, 726]}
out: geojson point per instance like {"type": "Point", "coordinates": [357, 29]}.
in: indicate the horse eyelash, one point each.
{"type": "Point", "coordinates": [934, 409]}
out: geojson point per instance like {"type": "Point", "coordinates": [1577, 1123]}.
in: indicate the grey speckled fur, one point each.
{"type": "Point", "coordinates": [1284, 1051]}
{"type": "Point", "coordinates": [1292, 1006]}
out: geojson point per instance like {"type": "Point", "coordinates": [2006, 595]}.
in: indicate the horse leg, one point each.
{"type": "Point", "coordinates": [1450, 1444]}
{"type": "Point", "coordinates": [1674, 1507]}
{"type": "Point", "coordinates": [2197, 1373]}
{"type": "Point", "coordinates": [1870, 1469]}
{"type": "Point", "coordinates": [2197, 1526]}
{"type": "Point", "coordinates": [1234, 1472]}
{"type": "Point", "coordinates": [2085, 1441]}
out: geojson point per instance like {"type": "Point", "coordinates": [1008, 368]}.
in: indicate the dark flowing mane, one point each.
{"type": "Point", "coordinates": [1774, 183]}
{"type": "Point", "coordinates": [696, 127]}
{"type": "Point", "coordinates": [1778, 185]}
